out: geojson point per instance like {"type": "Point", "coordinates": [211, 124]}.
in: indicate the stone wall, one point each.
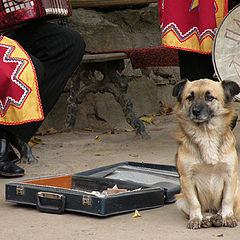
{"type": "Point", "coordinates": [116, 30]}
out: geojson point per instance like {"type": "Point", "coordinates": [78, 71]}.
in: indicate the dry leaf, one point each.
{"type": "Point", "coordinates": [109, 132]}
{"type": "Point", "coordinates": [164, 108]}
{"type": "Point", "coordinates": [147, 119]}
{"type": "Point", "coordinates": [34, 141]}
{"type": "Point", "coordinates": [128, 130]}
{"type": "Point", "coordinates": [98, 138]}
{"type": "Point", "coordinates": [99, 154]}
{"type": "Point", "coordinates": [133, 155]}
{"type": "Point", "coordinates": [88, 129]}
{"type": "Point", "coordinates": [49, 131]}
{"type": "Point", "coordinates": [136, 214]}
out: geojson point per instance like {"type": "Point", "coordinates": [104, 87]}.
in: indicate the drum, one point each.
{"type": "Point", "coordinates": [226, 48]}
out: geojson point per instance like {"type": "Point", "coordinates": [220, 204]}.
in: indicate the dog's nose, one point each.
{"type": "Point", "coordinates": [200, 112]}
{"type": "Point", "coordinates": [196, 110]}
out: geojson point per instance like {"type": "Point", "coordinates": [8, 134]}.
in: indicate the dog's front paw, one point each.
{"type": "Point", "coordinates": [230, 221]}
{"type": "Point", "coordinates": [194, 223]}
{"type": "Point", "coordinates": [217, 220]}
{"type": "Point", "coordinates": [206, 222]}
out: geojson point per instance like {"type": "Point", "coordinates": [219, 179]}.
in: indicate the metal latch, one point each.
{"type": "Point", "coordinates": [20, 190]}
{"type": "Point", "coordinates": [86, 200]}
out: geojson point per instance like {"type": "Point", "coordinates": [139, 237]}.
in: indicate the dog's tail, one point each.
{"type": "Point", "coordinates": [178, 196]}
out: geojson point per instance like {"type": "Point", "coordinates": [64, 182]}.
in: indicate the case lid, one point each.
{"type": "Point", "coordinates": [144, 175]}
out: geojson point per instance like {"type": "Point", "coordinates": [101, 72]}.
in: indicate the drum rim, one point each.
{"type": "Point", "coordinates": [214, 43]}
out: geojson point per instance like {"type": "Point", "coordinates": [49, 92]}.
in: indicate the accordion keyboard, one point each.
{"type": "Point", "coordinates": [12, 6]}
{"type": "Point", "coordinates": [14, 13]}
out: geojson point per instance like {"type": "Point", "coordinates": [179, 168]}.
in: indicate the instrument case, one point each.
{"type": "Point", "coordinates": [144, 186]}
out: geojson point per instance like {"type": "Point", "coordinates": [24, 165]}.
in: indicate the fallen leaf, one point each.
{"type": "Point", "coordinates": [34, 141]}
{"type": "Point", "coordinates": [88, 129]}
{"type": "Point", "coordinates": [133, 155]}
{"type": "Point", "coordinates": [49, 131]}
{"type": "Point", "coordinates": [99, 154]}
{"type": "Point", "coordinates": [109, 132]}
{"type": "Point", "coordinates": [147, 119]}
{"type": "Point", "coordinates": [98, 138]}
{"type": "Point", "coordinates": [129, 130]}
{"type": "Point", "coordinates": [136, 214]}
{"type": "Point", "coordinates": [164, 108]}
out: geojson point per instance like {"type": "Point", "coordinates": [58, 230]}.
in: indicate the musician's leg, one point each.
{"type": "Point", "coordinates": [7, 168]}
{"type": "Point", "coordinates": [195, 65]}
{"type": "Point", "coordinates": [58, 50]}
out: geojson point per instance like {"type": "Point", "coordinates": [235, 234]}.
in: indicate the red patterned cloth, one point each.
{"type": "Point", "coordinates": [190, 24]}
{"type": "Point", "coordinates": [153, 57]}
{"type": "Point", "coordinates": [149, 57]}
{"type": "Point", "coordinates": [19, 96]}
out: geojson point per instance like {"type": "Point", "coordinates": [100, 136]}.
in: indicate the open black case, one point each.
{"type": "Point", "coordinates": [144, 186]}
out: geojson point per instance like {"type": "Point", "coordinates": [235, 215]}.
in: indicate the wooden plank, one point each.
{"type": "Point", "coordinates": [107, 3]}
{"type": "Point", "coordinates": [103, 57]}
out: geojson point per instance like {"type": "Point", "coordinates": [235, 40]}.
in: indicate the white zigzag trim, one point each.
{"type": "Point", "coordinates": [191, 30]}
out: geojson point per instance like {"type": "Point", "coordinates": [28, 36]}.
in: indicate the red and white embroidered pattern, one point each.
{"type": "Point", "coordinates": [190, 24]}
{"type": "Point", "coordinates": [19, 94]}
{"type": "Point", "coordinates": [12, 90]}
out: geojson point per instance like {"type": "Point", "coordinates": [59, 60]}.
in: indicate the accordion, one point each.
{"type": "Point", "coordinates": [13, 13]}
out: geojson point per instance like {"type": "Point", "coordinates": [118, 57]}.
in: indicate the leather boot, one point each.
{"type": "Point", "coordinates": [8, 168]}
{"type": "Point", "coordinates": [24, 150]}
{"type": "Point", "coordinates": [12, 156]}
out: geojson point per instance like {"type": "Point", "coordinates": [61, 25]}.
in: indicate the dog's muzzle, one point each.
{"type": "Point", "coordinates": [200, 112]}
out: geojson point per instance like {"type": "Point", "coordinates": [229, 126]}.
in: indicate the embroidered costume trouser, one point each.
{"type": "Point", "coordinates": [55, 51]}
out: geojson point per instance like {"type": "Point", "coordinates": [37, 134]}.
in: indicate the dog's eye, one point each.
{"type": "Point", "coordinates": [209, 97]}
{"type": "Point", "coordinates": [190, 97]}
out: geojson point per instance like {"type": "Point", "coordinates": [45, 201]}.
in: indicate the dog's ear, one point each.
{"type": "Point", "coordinates": [230, 89]}
{"type": "Point", "coordinates": [178, 89]}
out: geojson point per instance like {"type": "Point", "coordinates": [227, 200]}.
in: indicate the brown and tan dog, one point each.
{"type": "Point", "coordinates": [206, 159]}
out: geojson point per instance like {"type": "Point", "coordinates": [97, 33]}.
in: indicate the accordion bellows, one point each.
{"type": "Point", "coordinates": [16, 12]}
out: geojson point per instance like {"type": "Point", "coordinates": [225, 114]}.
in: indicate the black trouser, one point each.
{"type": "Point", "coordinates": [194, 65]}
{"type": "Point", "coordinates": [56, 51]}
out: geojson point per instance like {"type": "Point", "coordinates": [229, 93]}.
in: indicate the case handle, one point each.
{"type": "Point", "coordinates": [57, 202]}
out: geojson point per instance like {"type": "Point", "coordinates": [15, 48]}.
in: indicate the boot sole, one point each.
{"type": "Point", "coordinates": [2, 174]}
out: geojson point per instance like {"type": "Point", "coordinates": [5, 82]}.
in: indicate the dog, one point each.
{"type": "Point", "coordinates": [206, 158]}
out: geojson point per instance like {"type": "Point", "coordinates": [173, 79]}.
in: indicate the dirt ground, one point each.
{"type": "Point", "coordinates": [72, 152]}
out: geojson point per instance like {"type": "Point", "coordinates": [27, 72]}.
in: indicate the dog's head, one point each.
{"type": "Point", "coordinates": [204, 99]}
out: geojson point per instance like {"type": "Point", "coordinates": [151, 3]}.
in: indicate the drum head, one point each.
{"type": "Point", "coordinates": [226, 48]}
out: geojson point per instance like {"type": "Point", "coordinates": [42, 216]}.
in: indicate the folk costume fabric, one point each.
{"type": "Point", "coordinates": [190, 24]}
{"type": "Point", "coordinates": [19, 95]}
